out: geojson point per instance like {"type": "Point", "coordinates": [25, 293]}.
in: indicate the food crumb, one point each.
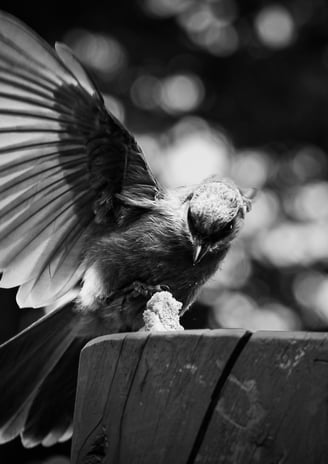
{"type": "Point", "coordinates": [162, 313]}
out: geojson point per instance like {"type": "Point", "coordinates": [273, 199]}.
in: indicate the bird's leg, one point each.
{"type": "Point", "coordinates": [122, 309]}
{"type": "Point", "coordinates": [135, 290]}
{"type": "Point", "coordinates": [140, 289]}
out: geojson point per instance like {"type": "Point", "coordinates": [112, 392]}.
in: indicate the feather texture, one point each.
{"type": "Point", "coordinates": [63, 160]}
{"type": "Point", "coordinates": [37, 350]}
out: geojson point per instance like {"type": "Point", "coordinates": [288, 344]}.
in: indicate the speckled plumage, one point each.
{"type": "Point", "coordinates": [219, 201]}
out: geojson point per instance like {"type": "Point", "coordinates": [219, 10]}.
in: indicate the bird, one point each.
{"type": "Point", "coordinates": [82, 212]}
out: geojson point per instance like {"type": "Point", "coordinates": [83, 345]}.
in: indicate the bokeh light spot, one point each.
{"type": "Point", "coordinates": [311, 291]}
{"type": "Point", "coordinates": [181, 93]}
{"type": "Point", "coordinates": [209, 25]}
{"type": "Point", "coordinates": [237, 310]}
{"type": "Point", "coordinates": [309, 162]}
{"type": "Point", "coordinates": [308, 202]}
{"type": "Point", "coordinates": [144, 92]}
{"type": "Point", "coordinates": [165, 8]}
{"type": "Point", "coordinates": [220, 40]}
{"type": "Point", "coordinates": [275, 26]}
{"type": "Point", "coordinates": [293, 244]}
{"type": "Point", "coordinates": [194, 157]}
{"type": "Point", "coordinates": [264, 213]}
{"type": "Point", "coordinates": [197, 20]}
{"type": "Point", "coordinates": [252, 167]}
{"type": "Point", "coordinates": [306, 285]}
{"type": "Point", "coordinates": [234, 273]}
{"type": "Point", "coordinates": [99, 51]}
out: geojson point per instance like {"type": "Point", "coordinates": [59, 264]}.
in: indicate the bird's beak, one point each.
{"type": "Point", "coordinates": [200, 251]}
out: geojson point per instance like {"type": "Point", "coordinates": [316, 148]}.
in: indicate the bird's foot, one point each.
{"type": "Point", "coordinates": [140, 289]}
{"type": "Point", "coordinates": [135, 290]}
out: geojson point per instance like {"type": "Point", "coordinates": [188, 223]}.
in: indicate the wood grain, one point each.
{"type": "Point", "coordinates": [203, 397]}
{"type": "Point", "coordinates": [142, 397]}
{"type": "Point", "coordinates": [273, 408]}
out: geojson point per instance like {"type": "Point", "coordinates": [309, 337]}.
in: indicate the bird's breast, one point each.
{"type": "Point", "coordinates": [153, 252]}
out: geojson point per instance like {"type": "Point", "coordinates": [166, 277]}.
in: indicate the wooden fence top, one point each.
{"type": "Point", "coordinates": [210, 396]}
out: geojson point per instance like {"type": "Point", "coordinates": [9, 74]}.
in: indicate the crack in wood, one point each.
{"type": "Point", "coordinates": [98, 449]}
{"type": "Point", "coordinates": [242, 342]}
{"type": "Point", "coordinates": [320, 361]}
{"type": "Point", "coordinates": [117, 455]}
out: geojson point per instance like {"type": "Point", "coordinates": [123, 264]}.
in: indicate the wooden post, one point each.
{"type": "Point", "coordinates": [219, 396]}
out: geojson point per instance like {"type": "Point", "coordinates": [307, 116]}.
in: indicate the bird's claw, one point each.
{"type": "Point", "coordinates": [136, 289]}
{"type": "Point", "coordinates": [141, 289]}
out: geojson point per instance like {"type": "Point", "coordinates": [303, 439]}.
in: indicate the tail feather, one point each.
{"type": "Point", "coordinates": [50, 415]}
{"type": "Point", "coordinates": [28, 384]}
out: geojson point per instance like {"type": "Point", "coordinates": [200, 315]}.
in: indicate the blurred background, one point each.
{"type": "Point", "coordinates": [227, 87]}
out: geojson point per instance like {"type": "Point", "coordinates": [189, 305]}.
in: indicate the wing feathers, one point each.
{"type": "Point", "coordinates": [61, 152]}
{"type": "Point", "coordinates": [77, 70]}
{"type": "Point", "coordinates": [33, 49]}
{"type": "Point", "coordinates": [33, 256]}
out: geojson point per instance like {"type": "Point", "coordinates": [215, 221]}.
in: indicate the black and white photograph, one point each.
{"type": "Point", "coordinates": [164, 232]}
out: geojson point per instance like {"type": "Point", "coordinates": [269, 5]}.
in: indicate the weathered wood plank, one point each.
{"type": "Point", "coordinates": [142, 397]}
{"type": "Point", "coordinates": [203, 397]}
{"type": "Point", "coordinates": [273, 408]}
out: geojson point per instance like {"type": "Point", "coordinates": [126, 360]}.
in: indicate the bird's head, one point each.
{"type": "Point", "coordinates": [215, 213]}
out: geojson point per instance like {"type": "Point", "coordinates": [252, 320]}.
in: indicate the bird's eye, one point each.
{"type": "Point", "coordinates": [224, 231]}
{"type": "Point", "coordinates": [227, 228]}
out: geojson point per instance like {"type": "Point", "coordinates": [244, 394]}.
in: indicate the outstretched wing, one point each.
{"type": "Point", "coordinates": [63, 160]}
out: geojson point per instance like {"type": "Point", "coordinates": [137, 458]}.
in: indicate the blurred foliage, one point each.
{"type": "Point", "coordinates": [234, 88]}
{"type": "Point", "coordinates": [221, 86]}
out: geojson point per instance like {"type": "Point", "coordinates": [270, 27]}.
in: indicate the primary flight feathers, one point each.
{"type": "Point", "coordinates": [63, 159]}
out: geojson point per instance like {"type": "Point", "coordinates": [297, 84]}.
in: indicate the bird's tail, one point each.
{"type": "Point", "coordinates": [37, 383]}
